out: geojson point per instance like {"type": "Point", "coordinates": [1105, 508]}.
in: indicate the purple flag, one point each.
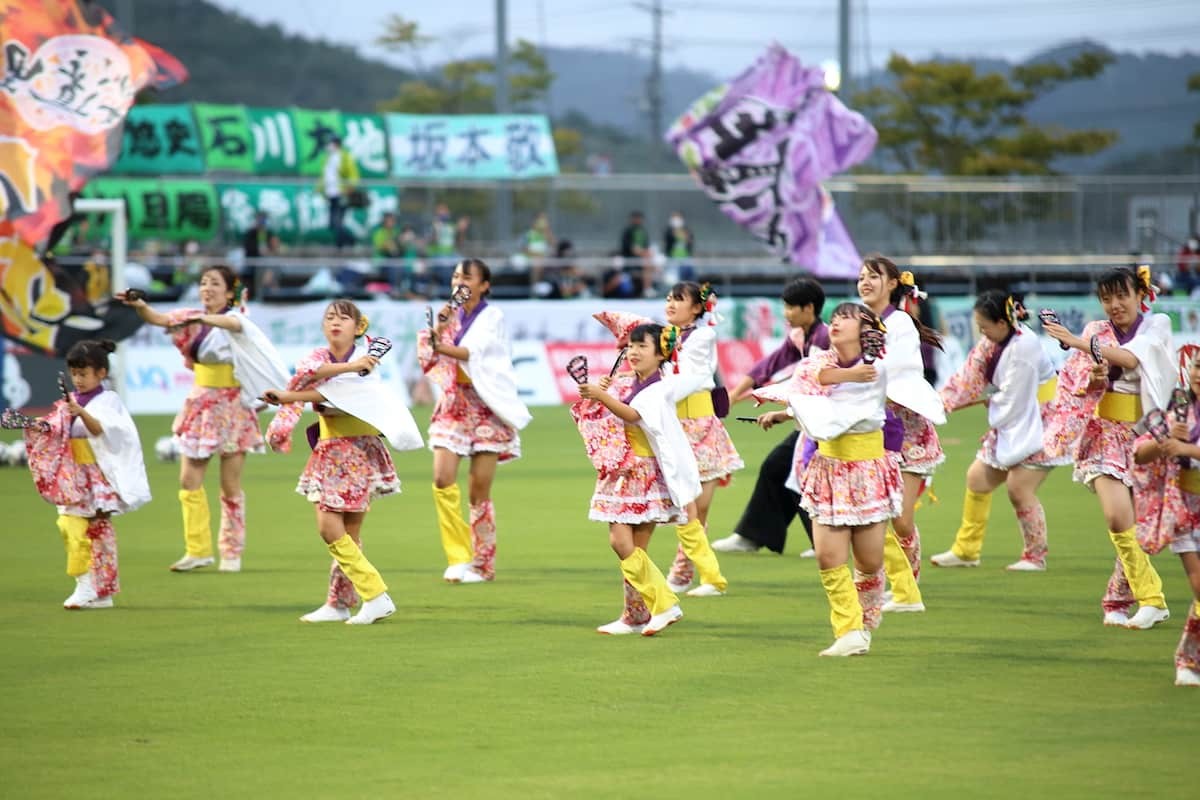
{"type": "Point", "coordinates": [761, 145]}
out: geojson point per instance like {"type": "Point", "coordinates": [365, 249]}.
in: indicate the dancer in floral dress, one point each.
{"type": "Point", "coordinates": [1169, 468]}
{"type": "Point", "coordinates": [917, 406]}
{"type": "Point", "coordinates": [233, 362]}
{"type": "Point", "coordinates": [646, 475]}
{"type": "Point", "coordinates": [477, 416]}
{"type": "Point", "coordinates": [1122, 368]}
{"type": "Point", "coordinates": [851, 485]}
{"type": "Point", "coordinates": [1010, 372]}
{"type": "Point", "coordinates": [350, 465]}
{"type": "Point", "coordinates": [86, 459]}
{"type": "Point", "coordinates": [696, 358]}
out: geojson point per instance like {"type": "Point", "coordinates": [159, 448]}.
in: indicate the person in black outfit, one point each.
{"type": "Point", "coordinates": [772, 506]}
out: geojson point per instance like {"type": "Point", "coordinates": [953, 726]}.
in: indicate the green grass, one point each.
{"type": "Point", "coordinates": [206, 685]}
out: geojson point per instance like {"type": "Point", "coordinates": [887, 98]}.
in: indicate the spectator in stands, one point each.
{"type": "Point", "coordinates": [1187, 270]}
{"type": "Point", "coordinates": [562, 281]}
{"type": "Point", "coordinates": [445, 242]}
{"type": "Point", "coordinates": [339, 176]}
{"type": "Point", "coordinates": [679, 247]}
{"type": "Point", "coordinates": [616, 282]}
{"type": "Point", "coordinates": [539, 240]}
{"type": "Point", "coordinates": [385, 241]}
{"type": "Point", "coordinates": [636, 251]}
{"type": "Point", "coordinates": [254, 240]}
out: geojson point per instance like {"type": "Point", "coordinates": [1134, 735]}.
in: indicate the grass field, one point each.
{"type": "Point", "coordinates": [206, 685]}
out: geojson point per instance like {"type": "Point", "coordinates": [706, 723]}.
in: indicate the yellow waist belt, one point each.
{"type": "Point", "coordinates": [215, 376]}
{"type": "Point", "coordinates": [462, 378]}
{"type": "Point", "coordinates": [638, 441]}
{"type": "Point", "coordinates": [81, 451]}
{"type": "Point", "coordinates": [695, 406]}
{"type": "Point", "coordinates": [853, 446]}
{"type": "Point", "coordinates": [1189, 481]}
{"type": "Point", "coordinates": [1046, 390]}
{"type": "Point", "coordinates": [343, 426]}
{"type": "Point", "coordinates": [1120, 407]}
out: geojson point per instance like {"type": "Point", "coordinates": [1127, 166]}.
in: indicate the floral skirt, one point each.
{"type": "Point", "coordinates": [987, 454]}
{"type": "Point", "coordinates": [634, 495]}
{"type": "Point", "coordinates": [715, 454]}
{"type": "Point", "coordinates": [1105, 448]}
{"type": "Point", "coordinates": [851, 493]}
{"type": "Point", "coordinates": [921, 452]}
{"type": "Point", "coordinates": [214, 421]}
{"type": "Point", "coordinates": [97, 494]}
{"type": "Point", "coordinates": [345, 474]}
{"type": "Point", "coordinates": [1187, 535]}
{"type": "Point", "coordinates": [463, 424]}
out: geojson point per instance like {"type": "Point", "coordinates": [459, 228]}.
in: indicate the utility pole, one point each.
{"type": "Point", "coordinates": [504, 191]}
{"type": "Point", "coordinates": [654, 90]}
{"type": "Point", "coordinates": [844, 46]}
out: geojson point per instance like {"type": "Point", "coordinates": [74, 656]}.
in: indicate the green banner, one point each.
{"type": "Point", "coordinates": [225, 135]}
{"type": "Point", "coordinates": [313, 130]}
{"type": "Point", "coordinates": [160, 140]}
{"type": "Point", "coordinates": [172, 210]}
{"type": "Point", "coordinates": [365, 138]}
{"type": "Point", "coordinates": [273, 134]}
{"type": "Point", "coordinates": [298, 213]}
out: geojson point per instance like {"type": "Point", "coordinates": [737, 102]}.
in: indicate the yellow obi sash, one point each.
{"type": "Point", "coordinates": [461, 377]}
{"type": "Point", "coordinates": [1047, 390]}
{"type": "Point", "coordinates": [1120, 407]}
{"type": "Point", "coordinates": [81, 451]}
{"type": "Point", "coordinates": [695, 406]}
{"type": "Point", "coordinates": [215, 376]}
{"type": "Point", "coordinates": [343, 426]}
{"type": "Point", "coordinates": [638, 441]}
{"type": "Point", "coordinates": [1189, 480]}
{"type": "Point", "coordinates": [853, 446]}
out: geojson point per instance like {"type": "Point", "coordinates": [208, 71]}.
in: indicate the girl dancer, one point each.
{"type": "Point", "coordinates": [852, 485]}
{"type": "Point", "coordinates": [349, 465]}
{"type": "Point", "coordinates": [1123, 368]}
{"type": "Point", "coordinates": [1008, 370]}
{"type": "Point", "coordinates": [1175, 472]}
{"type": "Point", "coordinates": [234, 362]}
{"type": "Point", "coordinates": [477, 416]}
{"type": "Point", "coordinates": [656, 481]}
{"type": "Point", "coordinates": [696, 357]}
{"type": "Point", "coordinates": [917, 406]}
{"type": "Point", "coordinates": [86, 459]}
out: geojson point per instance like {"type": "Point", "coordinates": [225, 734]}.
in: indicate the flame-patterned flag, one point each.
{"type": "Point", "coordinates": [69, 78]}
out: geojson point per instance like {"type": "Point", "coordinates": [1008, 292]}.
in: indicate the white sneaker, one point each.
{"type": "Point", "coordinates": [1026, 566]}
{"type": "Point", "coordinates": [471, 576]}
{"type": "Point", "coordinates": [373, 610]}
{"type": "Point", "coordinates": [854, 643]}
{"type": "Point", "coordinates": [678, 587]}
{"type": "Point", "coordinates": [1187, 677]}
{"type": "Point", "coordinates": [619, 628]}
{"type": "Point", "coordinates": [1147, 617]}
{"type": "Point", "coordinates": [948, 559]}
{"type": "Point", "coordinates": [888, 596]}
{"type": "Point", "coordinates": [230, 565]}
{"type": "Point", "coordinates": [1116, 619]}
{"type": "Point", "coordinates": [99, 602]}
{"type": "Point", "coordinates": [891, 606]}
{"type": "Point", "coordinates": [660, 621]}
{"type": "Point", "coordinates": [705, 590]}
{"type": "Point", "coordinates": [84, 592]}
{"type": "Point", "coordinates": [454, 573]}
{"type": "Point", "coordinates": [809, 553]}
{"type": "Point", "coordinates": [735, 543]}
{"type": "Point", "coordinates": [189, 563]}
{"type": "Point", "coordinates": [327, 613]}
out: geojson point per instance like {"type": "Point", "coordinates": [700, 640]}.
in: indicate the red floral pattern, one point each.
{"type": "Point", "coordinates": [214, 421]}
{"type": "Point", "coordinates": [1187, 655]}
{"type": "Point", "coordinates": [716, 456]}
{"type": "Point", "coordinates": [463, 424]}
{"type": "Point", "coordinates": [1106, 448]}
{"type": "Point", "coordinates": [346, 473]}
{"type": "Point", "coordinates": [921, 452]}
{"type": "Point", "coordinates": [851, 493]}
{"type": "Point", "coordinates": [633, 495]}
{"type": "Point", "coordinates": [105, 576]}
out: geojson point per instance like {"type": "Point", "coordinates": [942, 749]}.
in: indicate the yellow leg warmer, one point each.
{"type": "Point", "coordinates": [1143, 578]}
{"type": "Point", "coordinates": [899, 570]}
{"type": "Point", "coordinates": [644, 576]}
{"type": "Point", "coordinates": [695, 544]}
{"type": "Point", "coordinates": [456, 534]}
{"type": "Point", "coordinates": [197, 523]}
{"type": "Point", "coordinates": [968, 542]}
{"type": "Point", "coordinates": [845, 612]}
{"type": "Point", "coordinates": [366, 579]}
{"type": "Point", "coordinates": [79, 547]}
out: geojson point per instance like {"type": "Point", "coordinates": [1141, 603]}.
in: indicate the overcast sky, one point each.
{"type": "Point", "coordinates": [723, 36]}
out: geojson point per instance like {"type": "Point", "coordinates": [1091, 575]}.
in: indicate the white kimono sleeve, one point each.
{"type": "Point", "coordinates": [368, 398]}
{"type": "Point", "coordinates": [1013, 410]}
{"type": "Point", "coordinates": [906, 383]}
{"type": "Point", "coordinates": [118, 450]}
{"type": "Point", "coordinates": [490, 367]}
{"type": "Point", "coordinates": [656, 406]}
{"type": "Point", "coordinates": [698, 360]}
{"type": "Point", "coordinates": [256, 363]}
{"type": "Point", "coordinates": [1155, 351]}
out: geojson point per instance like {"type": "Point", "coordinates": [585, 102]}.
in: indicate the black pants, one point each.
{"type": "Point", "coordinates": [773, 506]}
{"type": "Point", "coordinates": [337, 222]}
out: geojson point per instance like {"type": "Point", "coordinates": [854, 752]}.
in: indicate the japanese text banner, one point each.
{"type": "Point", "coordinates": [160, 140]}
{"type": "Point", "coordinates": [471, 147]}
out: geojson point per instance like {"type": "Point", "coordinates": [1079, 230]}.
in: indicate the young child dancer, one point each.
{"type": "Point", "coordinates": [1175, 474]}
{"type": "Point", "coordinates": [234, 362]}
{"type": "Point", "coordinates": [852, 485]}
{"type": "Point", "coordinates": [696, 357]}
{"type": "Point", "coordinates": [657, 480]}
{"type": "Point", "coordinates": [1008, 370]}
{"type": "Point", "coordinates": [478, 416]}
{"type": "Point", "coordinates": [86, 459]}
{"type": "Point", "coordinates": [1134, 375]}
{"type": "Point", "coordinates": [911, 400]}
{"type": "Point", "coordinates": [349, 465]}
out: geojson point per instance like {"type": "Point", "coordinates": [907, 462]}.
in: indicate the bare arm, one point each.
{"type": "Point", "coordinates": [742, 390]}
{"type": "Point", "coordinates": [91, 423]}
{"type": "Point", "coordinates": [144, 311]}
{"type": "Point", "coordinates": [625, 413]}
{"type": "Point", "coordinates": [455, 351]}
{"type": "Point", "coordinates": [859, 373]}
{"type": "Point", "coordinates": [331, 369]}
{"type": "Point", "coordinates": [281, 396]}
{"type": "Point", "coordinates": [223, 321]}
